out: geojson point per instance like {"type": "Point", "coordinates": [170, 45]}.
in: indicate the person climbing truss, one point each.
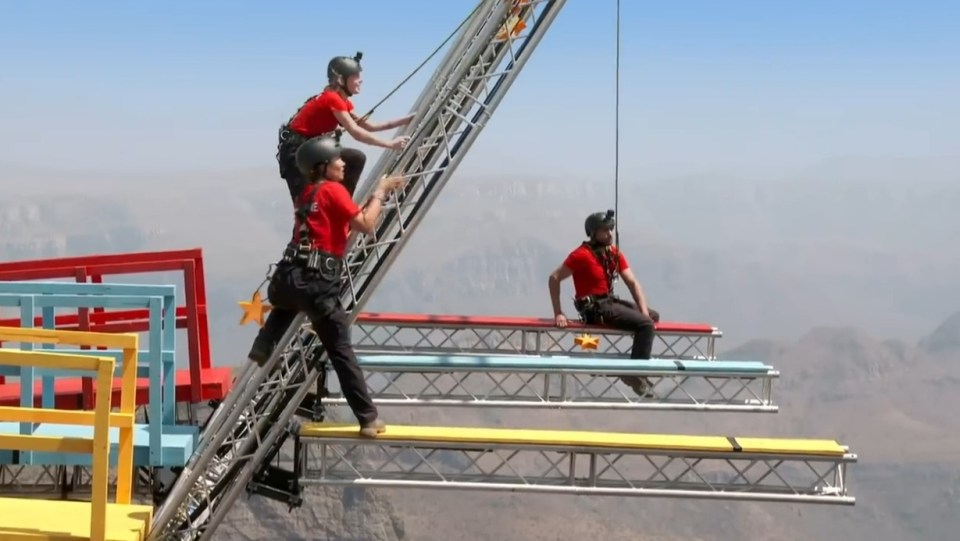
{"type": "Point", "coordinates": [328, 114]}
{"type": "Point", "coordinates": [307, 278]}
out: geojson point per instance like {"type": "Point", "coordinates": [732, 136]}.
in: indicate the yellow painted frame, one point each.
{"type": "Point", "coordinates": [101, 418]}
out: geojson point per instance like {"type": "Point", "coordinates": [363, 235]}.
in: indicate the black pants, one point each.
{"type": "Point", "coordinates": [625, 315]}
{"type": "Point", "coordinates": [295, 289]}
{"type": "Point", "coordinates": [354, 161]}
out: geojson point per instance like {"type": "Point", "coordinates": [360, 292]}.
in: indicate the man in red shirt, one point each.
{"type": "Point", "coordinates": [325, 114]}
{"type": "Point", "coordinates": [595, 266]}
{"type": "Point", "coordinates": [307, 279]}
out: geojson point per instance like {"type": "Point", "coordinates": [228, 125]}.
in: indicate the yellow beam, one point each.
{"type": "Point", "coordinates": [100, 481]}
{"type": "Point", "coordinates": [61, 417]}
{"type": "Point", "coordinates": [49, 444]}
{"type": "Point", "coordinates": [49, 359]}
{"type": "Point", "coordinates": [74, 338]}
{"type": "Point", "coordinates": [569, 438]}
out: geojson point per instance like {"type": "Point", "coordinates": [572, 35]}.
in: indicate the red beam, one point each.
{"type": "Point", "coordinates": [139, 316]}
{"type": "Point", "coordinates": [498, 321]}
{"type": "Point", "coordinates": [214, 383]}
{"type": "Point", "coordinates": [95, 267]}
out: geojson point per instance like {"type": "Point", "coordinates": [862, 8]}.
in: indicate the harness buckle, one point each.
{"type": "Point", "coordinates": [328, 265]}
{"type": "Point", "coordinates": [587, 306]}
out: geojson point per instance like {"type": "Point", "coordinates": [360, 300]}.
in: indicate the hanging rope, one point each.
{"type": "Point", "coordinates": [424, 63]}
{"type": "Point", "coordinates": [616, 143]}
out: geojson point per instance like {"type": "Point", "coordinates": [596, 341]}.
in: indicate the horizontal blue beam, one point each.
{"type": "Point", "coordinates": [556, 363]}
{"type": "Point", "coordinates": [157, 360]}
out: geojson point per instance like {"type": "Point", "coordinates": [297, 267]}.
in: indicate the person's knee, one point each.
{"type": "Point", "coordinates": [354, 157]}
{"type": "Point", "coordinates": [639, 322]}
{"type": "Point", "coordinates": [643, 323]}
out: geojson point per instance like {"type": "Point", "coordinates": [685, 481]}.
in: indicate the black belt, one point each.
{"type": "Point", "coordinates": [326, 263]}
{"type": "Point", "coordinates": [287, 135]}
{"type": "Point", "coordinates": [587, 300]}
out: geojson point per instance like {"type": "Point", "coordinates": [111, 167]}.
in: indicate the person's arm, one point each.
{"type": "Point", "coordinates": [359, 133]}
{"type": "Point", "coordinates": [366, 124]}
{"type": "Point", "coordinates": [365, 220]}
{"type": "Point", "coordinates": [635, 290]}
{"type": "Point", "coordinates": [560, 274]}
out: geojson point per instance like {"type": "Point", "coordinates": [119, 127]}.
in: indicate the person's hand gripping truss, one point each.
{"type": "Point", "coordinates": [387, 185]}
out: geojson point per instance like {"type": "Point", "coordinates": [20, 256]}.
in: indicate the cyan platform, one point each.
{"type": "Point", "coordinates": [176, 445]}
{"type": "Point", "coordinates": [156, 362]}
{"type": "Point", "coordinates": [617, 365]}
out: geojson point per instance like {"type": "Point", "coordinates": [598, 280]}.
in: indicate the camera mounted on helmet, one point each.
{"type": "Point", "coordinates": [599, 220]}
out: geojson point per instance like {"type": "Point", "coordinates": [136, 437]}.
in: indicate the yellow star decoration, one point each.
{"type": "Point", "coordinates": [514, 24]}
{"type": "Point", "coordinates": [585, 341]}
{"type": "Point", "coordinates": [254, 309]}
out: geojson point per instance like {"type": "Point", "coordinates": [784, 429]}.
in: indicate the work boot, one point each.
{"type": "Point", "coordinates": [640, 385]}
{"type": "Point", "coordinates": [371, 430]}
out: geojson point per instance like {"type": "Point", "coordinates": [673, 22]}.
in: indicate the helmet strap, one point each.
{"type": "Point", "coordinates": [341, 85]}
{"type": "Point", "coordinates": [319, 172]}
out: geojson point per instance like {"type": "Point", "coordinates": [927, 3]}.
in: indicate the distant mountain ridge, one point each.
{"type": "Point", "coordinates": [843, 281]}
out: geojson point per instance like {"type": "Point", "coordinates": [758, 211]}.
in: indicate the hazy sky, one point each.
{"type": "Point", "coordinates": [739, 86]}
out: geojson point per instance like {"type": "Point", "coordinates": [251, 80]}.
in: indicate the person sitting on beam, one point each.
{"type": "Point", "coordinates": [595, 266]}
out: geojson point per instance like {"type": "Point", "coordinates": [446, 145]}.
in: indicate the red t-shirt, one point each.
{"type": "Point", "coordinates": [589, 277]}
{"type": "Point", "coordinates": [316, 116]}
{"type": "Point", "coordinates": [329, 217]}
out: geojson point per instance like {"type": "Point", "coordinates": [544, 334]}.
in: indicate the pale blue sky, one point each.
{"type": "Point", "coordinates": [736, 86]}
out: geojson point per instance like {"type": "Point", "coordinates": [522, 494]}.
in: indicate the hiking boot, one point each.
{"type": "Point", "coordinates": [641, 386]}
{"type": "Point", "coordinates": [371, 430]}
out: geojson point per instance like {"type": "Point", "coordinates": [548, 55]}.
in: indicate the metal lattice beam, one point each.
{"type": "Point", "coordinates": [669, 391]}
{"type": "Point", "coordinates": [576, 471]}
{"type": "Point", "coordinates": [469, 337]}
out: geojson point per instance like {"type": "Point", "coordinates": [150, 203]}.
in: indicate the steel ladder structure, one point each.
{"type": "Point", "coordinates": [255, 420]}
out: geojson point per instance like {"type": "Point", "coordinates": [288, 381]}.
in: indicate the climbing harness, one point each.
{"type": "Point", "coordinates": [300, 250]}
{"type": "Point", "coordinates": [588, 305]}
{"type": "Point", "coordinates": [288, 141]}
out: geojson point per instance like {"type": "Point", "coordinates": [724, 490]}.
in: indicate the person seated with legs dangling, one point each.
{"type": "Point", "coordinates": [595, 266]}
{"type": "Point", "coordinates": [308, 277]}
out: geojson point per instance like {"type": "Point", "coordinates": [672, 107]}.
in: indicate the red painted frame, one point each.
{"type": "Point", "coordinates": [674, 327]}
{"type": "Point", "coordinates": [95, 267]}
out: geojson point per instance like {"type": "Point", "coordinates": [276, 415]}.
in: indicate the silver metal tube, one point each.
{"type": "Point", "coordinates": [430, 91]}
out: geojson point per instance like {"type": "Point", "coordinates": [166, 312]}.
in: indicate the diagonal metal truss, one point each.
{"type": "Point", "coordinates": [379, 337]}
{"type": "Point", "coordinates": [252, 423]}
{"type": "Point", "coordinates": [575, 471]}
{"type": "Point", "coordinates": [564, 388]}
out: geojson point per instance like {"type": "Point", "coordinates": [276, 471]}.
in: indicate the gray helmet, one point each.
{"type": "Point", "coordinates": [597, 220]}
{"type": "Point", "coordinates": [316, 151]}
{"type": "Point", "coordinates": [341, 67]}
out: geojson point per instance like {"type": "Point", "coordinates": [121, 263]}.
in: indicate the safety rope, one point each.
{"type": "Point", "coordinates": [616, 143]}
{"type": "Point", "coordinates": [424, 63]}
